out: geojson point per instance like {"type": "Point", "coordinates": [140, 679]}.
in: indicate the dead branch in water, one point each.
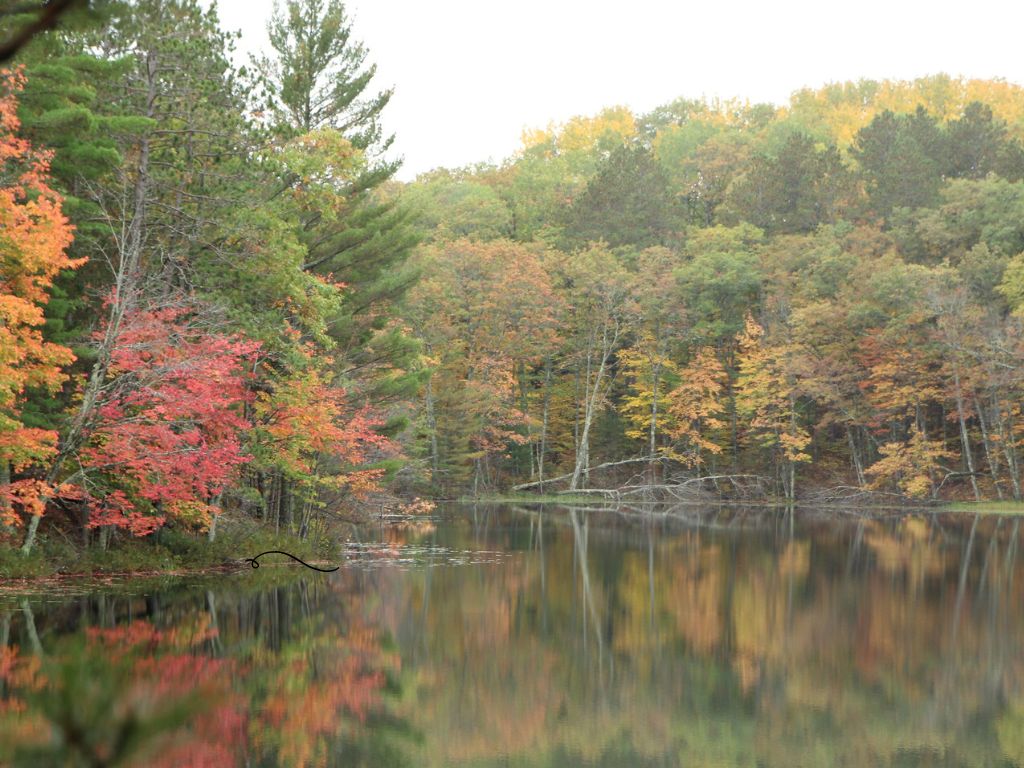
{"type": "Point", "coordinates": [681, 488]}
{"type": "Point", "coordinates": [606, 465]}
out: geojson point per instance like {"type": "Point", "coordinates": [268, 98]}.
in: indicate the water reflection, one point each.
{"type": "Point", "coordinates": [213, 675]}
{"type": "Point", "coordinates": [515, 636]}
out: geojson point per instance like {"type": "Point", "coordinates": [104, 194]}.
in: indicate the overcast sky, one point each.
{"type": "Point", "coordinates": [469, 75]}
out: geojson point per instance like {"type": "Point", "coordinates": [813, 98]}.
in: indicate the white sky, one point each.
{"type": "Point", "coordinates": [469, 75]}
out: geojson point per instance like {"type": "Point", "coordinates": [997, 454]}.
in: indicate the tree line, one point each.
{"type": "Point", "coordinates": [824, 295]}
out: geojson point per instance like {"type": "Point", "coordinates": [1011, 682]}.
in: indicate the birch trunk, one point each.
{"type": "Point", "coordinates": [990, 456]}
{"type": "Point", "coordinates": [609, 337]}
{"type": "Point", "coordinates": [544, 423]}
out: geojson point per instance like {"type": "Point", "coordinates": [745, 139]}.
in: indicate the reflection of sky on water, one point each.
{"type": "Point", "coordinates": [410, 555]}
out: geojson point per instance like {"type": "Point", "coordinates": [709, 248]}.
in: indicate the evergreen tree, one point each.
{"type": "Point", "coordinates": [60, 109]}
{"type": "Point", "coordinates": [628, 202]}
{"type": "Point", "coordinates": [979, 145]}
{"type": "Point", "coordinates": [318, 80]}
{"type": "Point", "coordinates": [799, 188]}
{"type": "Point", "coordinates": [902, 159]}
{"type": "Point", "coordinates": [319, 75]}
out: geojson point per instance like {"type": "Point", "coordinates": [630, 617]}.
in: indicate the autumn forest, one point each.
{"type": "Point", "coordinates": [217, 299]}
{"type": "Point", "coordinates": [821, 299]}
{"type": "Point", "coordinates": [689, 435]}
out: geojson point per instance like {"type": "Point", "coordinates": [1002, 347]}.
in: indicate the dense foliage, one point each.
{"type": "Point", "coordinates": [830, 290]}
{"type": "Point", "coordinates": [196, 286]}
{"type": "Point", "coordinates": [214, 295]}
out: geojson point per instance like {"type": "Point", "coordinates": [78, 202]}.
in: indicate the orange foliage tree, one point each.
{"type": "Point", "coordinates": [34, 234]}
{"type": "Point", "coordinates": [766, 395]}
{"type": "Point", "coordinates": [696, 407]}
{"type": "Point", "coordinates": [486, 311]}
{"type": "Point", "coordinates": [316, 435]}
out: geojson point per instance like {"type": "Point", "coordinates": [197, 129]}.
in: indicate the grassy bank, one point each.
{"type": "Point", "coordinates": [167, 552]}
{"type": "Point", "coordinates": [987, 507]}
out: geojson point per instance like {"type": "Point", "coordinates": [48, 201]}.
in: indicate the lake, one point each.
{"type": "Point", "coordinates": [497, 635]}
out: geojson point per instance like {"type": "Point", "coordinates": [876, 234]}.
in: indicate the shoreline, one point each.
{"type": "Point", "coordinates": [72, 583]}
{"type": "Point", "coordinates": [16, 577]}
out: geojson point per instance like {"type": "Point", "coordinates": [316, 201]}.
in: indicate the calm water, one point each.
{"type": "Point", "coordinates": [503, 636]}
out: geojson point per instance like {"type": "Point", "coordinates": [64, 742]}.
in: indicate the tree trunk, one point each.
{"type": "Point", "coordinates": [855, 456]}
{"type": "Point", "coordinates": [289, 506]}
{"type": "Point", "coordinates": [608, 340]}
{"type": "Point", "coordinates": [922, 428]}
{"type": "Point", "coordinates": [263, 484]}
{"type": "Point", "coordinates": [432, 427]}
{"type": "Point", "coordinates": [544, 423]}
{"type": "Point", "coordinates": [791, 469]}
{"type": "Point", "coordinates": [5, 505]}
{"type": "Point", "coordinates": [656, 376]}
{"type": "Point", "coordinates": [1006, 441]}
{"type": "Point", "coordinates": [211, 534]}
{"type": "Point", "coordinates": [965, 441]}
{"type": "Point", "coordinates": [990, 457]}
{"type": "Point", "coordinates": [524, 406]}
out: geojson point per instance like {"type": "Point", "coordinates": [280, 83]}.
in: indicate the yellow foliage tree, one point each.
{"type": "Point", "coordinates": [766, 394]}
{"type": "Point", "coordinates": [911, 465]}
{"type": "Point", "coordinates": [694, 408]}
{"type": "Point", "coordinates": [642, 402]}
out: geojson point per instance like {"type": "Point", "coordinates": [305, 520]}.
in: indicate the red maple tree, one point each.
{"type": "Point", "coordinates": [169, 438]}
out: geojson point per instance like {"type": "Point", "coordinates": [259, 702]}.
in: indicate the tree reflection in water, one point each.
{"type": "Point", "coordinates": [280, 675]}
{"type": "Point", "coordinates": [549, 637]}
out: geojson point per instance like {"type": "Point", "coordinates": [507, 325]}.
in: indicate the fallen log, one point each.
{"type": "Point", "coordinates": [685, 489]}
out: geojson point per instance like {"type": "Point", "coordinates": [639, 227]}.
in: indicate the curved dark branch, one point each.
{"type": "Point", "coordinates": [49, 14]}
{"type": "Point", "coordinates": [255, 564]}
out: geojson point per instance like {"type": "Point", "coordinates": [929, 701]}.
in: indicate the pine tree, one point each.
{"type": "Point", "coordinates": [59, 108]}
{"type": "Point", "coordinates": [318, 80]}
